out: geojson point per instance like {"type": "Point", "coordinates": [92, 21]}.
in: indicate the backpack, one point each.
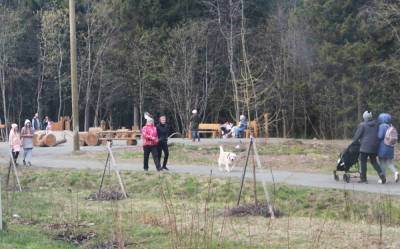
{"type": "Point", "coordinates": [391, 136]}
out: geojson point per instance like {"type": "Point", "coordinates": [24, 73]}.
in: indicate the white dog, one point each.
{"type": "Point", "coordinates": [225, 158]}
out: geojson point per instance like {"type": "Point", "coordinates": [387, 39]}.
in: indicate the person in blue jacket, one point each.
{"type": "Point", "coordinates": [386, 152]}
{"type": "Point", "coordinates": [239, 130]}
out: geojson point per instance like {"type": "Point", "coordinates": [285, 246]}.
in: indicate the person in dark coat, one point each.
{"type": "Point", "coordinates": [163, 131]}
{"type": "Point", "coordinates": [36, 122]}
{"type": "Point", "coordinates": [194, 125]}
{"type": "Point", "coordinates": [386, 152]}
{"type": "Point", "coordinates": [367, 135]}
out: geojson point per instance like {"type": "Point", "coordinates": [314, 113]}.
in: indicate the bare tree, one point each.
{"type": "Point", "coordinates": [99, 30]}
{"type": "Point", "coordinates": [226, 14]}
{"type": "Point", "coordinates": [181, 82]}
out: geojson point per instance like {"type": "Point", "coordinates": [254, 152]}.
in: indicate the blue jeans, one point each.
{"type": "Point", "coordinates": [195, 134]}
{"type": "Point", "coordinates": [28, 154]}
{"type": "Point", "coordinates": [239, 132]}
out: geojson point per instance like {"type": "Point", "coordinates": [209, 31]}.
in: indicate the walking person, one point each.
{"type": "Point", "coordinates": [27, 141]}
{"type": "Point", "coordinates": [387, 136]}
{"type": "Point", "coordinates": [36, 122]}
{"type": "Point", "coordinates": [163, 131]}
{"type": "Point", "coordinates": [194, 125]}
{"type": "Point", "coordinates": [15, 142]}
{"type": "Point", "coordinates": [45, 123]}
{"type": "Point", "coordinates": [367, 135]}
{"type": "Point", "coordinates": [150, 144]}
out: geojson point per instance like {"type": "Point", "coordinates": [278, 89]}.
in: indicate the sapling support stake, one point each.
{"type": "Point", "coordinates": [13, 167]}
{"type": "Point", "coordinates": [104, 173]}
{"type": "Point", "coordinates": [244, 170]}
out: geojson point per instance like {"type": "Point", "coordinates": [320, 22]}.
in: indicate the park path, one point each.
{"type": "Point", "coordinates": [60, 157]}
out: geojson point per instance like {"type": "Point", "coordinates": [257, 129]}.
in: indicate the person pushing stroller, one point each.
{"type": "Point", "coordinates": [367, 135]}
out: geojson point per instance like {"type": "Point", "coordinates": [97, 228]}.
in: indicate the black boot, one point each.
{"type": "Point", "coordinates": [383, 178]}
{"type": "Point", "coordinates": [363, 180]}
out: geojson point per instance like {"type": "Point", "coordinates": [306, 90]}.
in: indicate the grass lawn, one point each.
{"type": "Point", "coordinates": [182, 211]}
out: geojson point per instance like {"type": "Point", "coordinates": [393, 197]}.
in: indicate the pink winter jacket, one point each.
{"type": "Point", "coordinates": [14, 139]}
{"type": "Point", "coordinates": [149, 135]}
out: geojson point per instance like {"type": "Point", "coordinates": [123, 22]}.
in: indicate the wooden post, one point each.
{"type": "Point", "coordinates": [1, 210]}
{"type": "Point", "coordinates": [244, 172]}
{"type": "Point", "coordinates": [74, 78]}
{"type": "Point", "coordinates": [14, 168]}
{"type": "Point", "coordinates": [116, 168]}
{"type": "Point", "coordinates": [271, 210]}
{"type": "Point", "coordinates": [254, 182]}
{"type": "Point", "coordinates": [266, 120]}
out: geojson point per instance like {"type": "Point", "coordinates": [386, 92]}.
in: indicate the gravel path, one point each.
{"type": "Point", "coordinates": [60, 157]}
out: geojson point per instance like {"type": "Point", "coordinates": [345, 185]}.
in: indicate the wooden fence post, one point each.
{"type": "Point", "coordinates": [266, 130]}
{"type": "Point", "coordinates": [1, 210]}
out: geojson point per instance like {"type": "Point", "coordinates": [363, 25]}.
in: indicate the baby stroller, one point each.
{"type": "Point", "coordinates": [347, 159]}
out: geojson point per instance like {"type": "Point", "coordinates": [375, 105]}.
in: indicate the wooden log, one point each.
{"type": "Point", "coordinates": [95, 129]}
{"type": "Point", "coordinates": [122, 133]}
{"type": "Point", "coordinates": [37, 137]}
{"type": "Point", "coordinates": [131, 142]}
{"type": "Point", "coordinates": [60, 142]}
{"type": "Point", "coordinates": [92, 139]}
{"type": "Point", "coordinates": [48, 140]}
{"type": "Point", "coordinates": [82, 138]}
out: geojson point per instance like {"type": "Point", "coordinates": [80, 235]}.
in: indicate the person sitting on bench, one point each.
{"type": "Point", "coordinates": [239, 130]}
{"type": "Point", "coordinates": [226, 129]}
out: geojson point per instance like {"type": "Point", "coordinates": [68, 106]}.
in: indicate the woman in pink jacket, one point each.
{"type": "Point", "coordinates": [15, 142]}
{"type": "Point", "coordinates": [150, 144]}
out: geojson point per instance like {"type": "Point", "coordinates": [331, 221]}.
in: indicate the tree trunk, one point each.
{"type": "Point", "coordinates": [88, 86]}
{"type": "Point", "coordinates": [135, 115]}
{"type": "Point", "coordinates": [98, 103]}
{"type": "Point", "coordinates": [3, 96]}
{"type": "Point", "coordinates": [60, 82]}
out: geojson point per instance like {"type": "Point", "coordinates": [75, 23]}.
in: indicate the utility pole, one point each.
{"type": "Point", "coordinates": [74, 78]}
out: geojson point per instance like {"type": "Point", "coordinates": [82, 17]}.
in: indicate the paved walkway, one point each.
{"type": "Point", "coordinates": [59, 157]}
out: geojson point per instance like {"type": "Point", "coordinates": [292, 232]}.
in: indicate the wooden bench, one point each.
{"type": "Point", "coordinates": [213, 129]}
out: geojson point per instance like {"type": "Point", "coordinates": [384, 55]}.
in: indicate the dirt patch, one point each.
{"type": "Point", "coordinates": [75, 239]}
{"type": "Point", "coordinates": [262, 209]}
{"type": "Point", "coordinates": [106, 196]}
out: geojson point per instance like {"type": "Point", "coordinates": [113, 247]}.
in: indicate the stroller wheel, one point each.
{"type": "Point", "coordinates": [346, 178]}
{"type": "Point", "coordinates": [335, 176]}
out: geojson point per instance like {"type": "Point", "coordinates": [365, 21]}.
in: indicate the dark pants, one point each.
{"type": "Point", "coordinates": [154, 152]}
{"type": "Point", "coordinates": [15, 155]}
{"type": "Point", "coordinates": [364, 158]}
{"type": "Point", "coordinates": [195, 134]}
{"type": "Point", "coordinates": [163, 147]}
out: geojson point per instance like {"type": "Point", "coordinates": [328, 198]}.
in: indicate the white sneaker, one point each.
{"type": "Point", "coordinates": [379, 181]}
{"type": "Point", "coordinates": [396, 177]}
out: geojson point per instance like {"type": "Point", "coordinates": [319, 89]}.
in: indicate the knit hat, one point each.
{"type": "Point", "coordinates": [27, 121]}
{"type": "Point", "coordinates": [367, 116]}
{"type": "Point", "coordinates": [194, 111]}
{"type": "Point", "coordinates": [242, 117]}
{"type": "Point", "coordinates": [14, 126]}
{"type": "Point", "coordinates": [148, 117]}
